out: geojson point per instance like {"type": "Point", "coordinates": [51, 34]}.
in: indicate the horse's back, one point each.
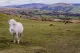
{"type": "Point", "coordinates": [20, 27]}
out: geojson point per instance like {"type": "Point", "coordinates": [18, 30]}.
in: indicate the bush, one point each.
{"type": "Point", "coordinates": [51, 25]}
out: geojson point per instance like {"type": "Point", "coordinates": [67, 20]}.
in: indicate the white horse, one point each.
{"type": "Point", "coordinates": [16, 29]}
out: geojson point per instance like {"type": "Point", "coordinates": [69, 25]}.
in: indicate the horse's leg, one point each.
{"type": "Point", "coordinates": [20, 36]}
{"type": "Point", "coordinates": [17, 37]}
{"type": "Point", "coordinates": [14, 38]}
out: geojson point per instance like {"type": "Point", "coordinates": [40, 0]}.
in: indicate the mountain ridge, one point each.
{"type": "Point", "coordinates": [59, 7]}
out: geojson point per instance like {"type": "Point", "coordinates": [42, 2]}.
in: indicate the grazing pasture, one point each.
{"type": "Point", "coordinates": [40, 37]}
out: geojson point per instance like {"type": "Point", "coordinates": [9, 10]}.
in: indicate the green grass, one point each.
{"type": "Point", "coordinates": [39, 37]}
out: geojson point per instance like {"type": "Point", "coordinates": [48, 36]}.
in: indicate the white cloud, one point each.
{"type": "Point", "coordinates": [17, 2]}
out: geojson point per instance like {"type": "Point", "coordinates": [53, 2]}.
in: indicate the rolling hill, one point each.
{"type": "Point", "coordinates": [59, 7]}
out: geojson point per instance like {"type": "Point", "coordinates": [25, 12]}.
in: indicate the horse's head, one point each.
{"type": "Point", "coordinates": [12, 22]}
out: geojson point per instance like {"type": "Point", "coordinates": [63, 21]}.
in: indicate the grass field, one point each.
{"type": "Point", "coordinates": [39, 37]}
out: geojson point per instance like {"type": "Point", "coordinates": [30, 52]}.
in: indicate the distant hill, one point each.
{"type": "Point", "coordinates": [59, 7]}
{"type": "Point", "coordinates": [32, 5]}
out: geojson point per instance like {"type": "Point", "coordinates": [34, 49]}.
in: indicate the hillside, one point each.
{"type": "Point", "coordinates": [44, 12]}
{"type": "Point", "coordinates": [40, 37]}
{"type": "Point", "coordinates": [59, 7]}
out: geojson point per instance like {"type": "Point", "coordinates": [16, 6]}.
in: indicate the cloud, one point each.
{"type": "Point", "coordinates": [8, 1]}
{"type": "Point", "coordinates": [18, 2]}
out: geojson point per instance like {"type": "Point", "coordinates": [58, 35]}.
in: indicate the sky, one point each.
{"type": "Point", "coordinates": [19, 2]}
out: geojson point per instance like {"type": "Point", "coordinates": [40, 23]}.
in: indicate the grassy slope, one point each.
{"type": "Point", "coordinates": [76, 9]}
{"type": "Point", "coordinates": [39, 37]}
